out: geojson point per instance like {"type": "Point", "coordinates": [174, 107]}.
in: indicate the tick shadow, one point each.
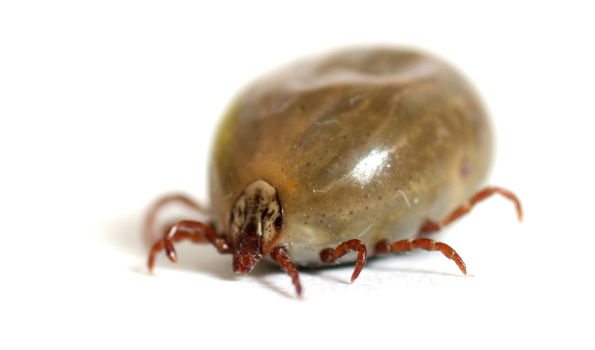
{"type": "Point", "coordinates": [383, 264]}
{"type": "Point", "coordinates": [268, 275]}
{"type": "Point", "coordinates": [324, 272]}
{"type": "Point", "coordinates": [125, 234]}
{"type": "Point", "coordinates": [421, 271]}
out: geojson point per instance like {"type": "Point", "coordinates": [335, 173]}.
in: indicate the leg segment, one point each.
{"type": "Point", "coordinates": [432, 226]}
{"type": "Point", "coordinates": [149, 224]}
{"type": "Point", "coordinates": [406, 245]}
{"type": "Point", "coordinates": [280, 256]}
{"type": "Point", "coordinates": [194, 231]}
{"type": "Point", "coordinates": [331, 255]}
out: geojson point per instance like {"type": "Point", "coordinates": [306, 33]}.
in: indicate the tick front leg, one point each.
{"type": "Point", "coordinates": [194, 231]}
{"type": "Point", "coordinates": [432, 226]}
{"type": "Point", "coordinates": [407, 245]}
{"type": "Point", "coordinates": [279, 255]}
{"type": "Point", "coordinates": [331, 255]}
{"type": "Point", "coordinates": [151, 232]}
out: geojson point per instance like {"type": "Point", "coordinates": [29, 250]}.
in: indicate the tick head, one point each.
{"type": "Point", "coordinates": [255, 223]}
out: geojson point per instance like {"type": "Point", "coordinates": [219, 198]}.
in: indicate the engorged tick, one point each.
{"type": "Point", "coordinates": [362, 151]}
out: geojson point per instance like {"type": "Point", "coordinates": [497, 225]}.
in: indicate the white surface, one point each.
{"type": "Point", "coordinates": [106, 105]}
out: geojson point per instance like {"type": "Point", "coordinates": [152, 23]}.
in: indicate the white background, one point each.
{"type": "Point", "coordinates": [105, 105]}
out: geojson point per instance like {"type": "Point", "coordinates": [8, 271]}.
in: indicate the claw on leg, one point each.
{"type": "Point", "coordinates": [431, 226]}
{"type": "Point", "coordinates": [331, 255]}
{"type": "Point", "coordinates": [194, 231]}
{"type": "Point", "coordinates": [149, 229]}
{"type": "Point", "coordinates": [280, 256]}
{"type": "Point", "coordinates": [406, 245]}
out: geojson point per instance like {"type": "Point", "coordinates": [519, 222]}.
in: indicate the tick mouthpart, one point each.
{"type": "Point", "coordinates": [248, 251]}
{"type": "Point", "coordinates": [245, 262]}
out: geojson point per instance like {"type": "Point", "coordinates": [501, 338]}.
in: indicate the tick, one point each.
{"type": "Point", "coordinates": [356, 153]}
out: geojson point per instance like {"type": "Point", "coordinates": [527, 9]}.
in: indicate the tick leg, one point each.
{"type": "Point", "coordinates": [432, 226]}
{"type": "Point", "coordinates": [280, 256]}
{"type": "Point", "coordinates": [194, 231]}
{"type": "Point", "coordinates": [331, 255]}
{"type": "Point", "coordinates": [406, 245]}
{"type": "Point", "coordinates": [149, 228]}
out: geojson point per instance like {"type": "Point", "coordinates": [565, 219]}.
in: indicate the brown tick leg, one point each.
{"type": "Point", "coordinates": [432, 226]}
{"type": "Point", "coordinates": [194, 231]}
{"type": "Point", "coordinates": [406, 245]}
{"type": "Point", "coordinates": [149, 228]}
{"type": "Point", "coordinates": [331, 255]}
{"type": "Point", "coordinates": [280, 256]}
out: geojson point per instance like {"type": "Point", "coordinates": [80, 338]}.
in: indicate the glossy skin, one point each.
{"type": "Point", "coordinates": [362, 144]}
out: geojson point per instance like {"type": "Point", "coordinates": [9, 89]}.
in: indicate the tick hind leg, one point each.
{"type": "Point", "coordinates": [194, 231]}
{"type": "Point", "coordinates": [331, 255]}
{"type": "Point", "coordinates": [149, 226]}
{"type": "Point", "coordinates": [384, 247]}
{"type": "Point", "coordinates": [432, 226]}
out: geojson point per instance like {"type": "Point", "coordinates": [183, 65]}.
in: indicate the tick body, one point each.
{"type": "Point", "coordinates": [364, 151]}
